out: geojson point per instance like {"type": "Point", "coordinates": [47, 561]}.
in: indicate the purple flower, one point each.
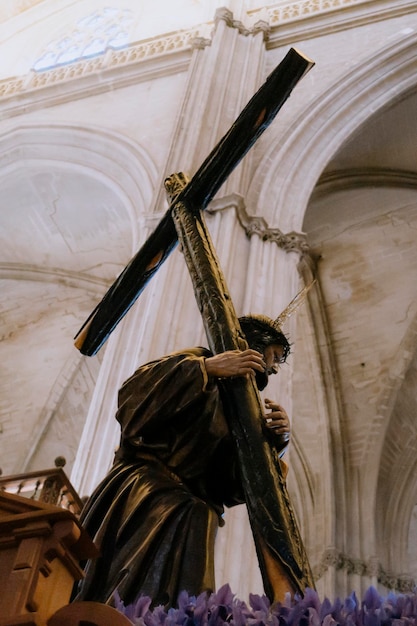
{"type": "Point", "coordinates": [224, 609]}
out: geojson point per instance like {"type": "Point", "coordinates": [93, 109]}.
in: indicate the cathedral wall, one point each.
{"type": "Point", "coordinates": [84, 152]}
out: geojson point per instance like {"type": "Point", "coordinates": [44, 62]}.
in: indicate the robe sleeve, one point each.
{"type": "Point", "coordinates": [161, 390]}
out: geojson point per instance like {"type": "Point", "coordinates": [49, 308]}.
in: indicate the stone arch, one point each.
{"type": "Point", "coordinates": [317, 464]}
{"type": "Point", "coordinates": [38, 273]}
{"type": "Point", "coordinates": [286, 178]}
{"type": "Point", "coordinates": [120, 167]}
{"type": "Point", "coordinates": [394, 451]}
{"type": "Point", "coordinates": [301, 479]}
{"type": "Point", "coordinates": [398, 371]}
{"type": "Point", "coordinates": [290, 169]}
{"type": "Point", "coordinates": [75, 367]}
{"type": "Point", "coordinates": [116, 161]}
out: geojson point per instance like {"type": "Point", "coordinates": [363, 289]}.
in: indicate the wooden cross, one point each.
{"type": "Point", "coordinates": [283, 562]}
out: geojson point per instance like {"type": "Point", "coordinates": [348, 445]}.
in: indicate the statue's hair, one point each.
{"type": "Point", "coordinates": [261, 331]}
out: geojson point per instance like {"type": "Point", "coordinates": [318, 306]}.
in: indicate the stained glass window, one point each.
{"type": "Point", "coordinates": [91, 36]}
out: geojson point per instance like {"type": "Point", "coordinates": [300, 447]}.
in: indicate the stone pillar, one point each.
{"type": "Point", "coordinates": [136, 339]}
{"type": "Point", "coordinates": [261, 271]}
{"type": "Point", "coordinates": [260, 266]}
{"type": "Point", "coordinates": [330, 533]}
{"type": "Point", "coordinates": [166, 316]}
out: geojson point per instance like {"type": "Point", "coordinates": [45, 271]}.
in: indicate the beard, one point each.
{"type": "Point", "coordinates": [261, 379]}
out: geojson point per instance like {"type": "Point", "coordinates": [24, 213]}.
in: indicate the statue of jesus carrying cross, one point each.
{"type": "Point", "coordinates": [194, 433]}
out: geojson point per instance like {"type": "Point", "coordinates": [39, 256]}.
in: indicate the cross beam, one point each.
{"type": "Point", "coordinates": [250, 124]}
{"type": "Point", "coordinates": [283, 561]}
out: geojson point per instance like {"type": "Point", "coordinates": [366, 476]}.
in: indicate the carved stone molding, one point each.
{"type": "Point", "coordinates": [254, 225]}
{"type": "Point", "coordinates": [26, 271]}
{"type": "Point", "coordinates": [331, 182]}
{"type": "Point", "coordinates": [261, 26]}
{"type": "Point", "coordinates": [371, 568]}
{"type": "Point", "coordinates": [306, 8]}
{"type": "Point", "coordinates": [279, 24]}
{"type": "Point", "coordinates": [226, 15]}
{"type": "Point", "coordinates": [158, 47]}
{"type": "Point", "coordinates": [199, 43]}
{"type": "Point", "coordinates": [290, 242]}
{"type": "Point", "coordinates": [304, 19]}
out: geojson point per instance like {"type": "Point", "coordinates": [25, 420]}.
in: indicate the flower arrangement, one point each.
{"type": "Point", "coordinates": [224, 609]}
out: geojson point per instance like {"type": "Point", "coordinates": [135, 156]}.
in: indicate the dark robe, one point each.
{"type": "Point", "coordinates": [155, 516]}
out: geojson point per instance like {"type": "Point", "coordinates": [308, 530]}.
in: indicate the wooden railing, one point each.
{"type": "Point", "coordinates": [51, 486]}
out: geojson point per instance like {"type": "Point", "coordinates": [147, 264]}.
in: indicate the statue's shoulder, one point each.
{"type": "Point", "coordinates": [177, 357]}
{"type": "Point", "coordinates": [160, 366]}
{"type": "Point", "coordinates": [198, 351]}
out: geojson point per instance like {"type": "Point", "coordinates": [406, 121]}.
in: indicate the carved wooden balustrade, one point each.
{"type": "Point", "coordinates": [50, 486]}
{"type": "Point", "coordinates": [42, 543]}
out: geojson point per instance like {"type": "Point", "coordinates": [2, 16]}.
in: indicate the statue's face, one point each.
{"type": "Point", "coordinates": [273, 356]}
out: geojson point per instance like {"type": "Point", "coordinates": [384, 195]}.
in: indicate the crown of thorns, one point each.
{"type": "Point", "coordinates": [261, 330]}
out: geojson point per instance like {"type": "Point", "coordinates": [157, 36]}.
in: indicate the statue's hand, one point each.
{"type": "Point", "coordinates": [278, 422]}
{"type": "Point", "coordinates": [235, 363]}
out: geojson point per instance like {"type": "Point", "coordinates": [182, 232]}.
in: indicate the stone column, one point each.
{"type": "Point", "coordinates": [261, 274]}
{"type": "Point", "coordinates": [166, 315]}
{"type": "Point", "coordinates": [261, 270]}
{"type": "Point", "coordinates": [126, 348]}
